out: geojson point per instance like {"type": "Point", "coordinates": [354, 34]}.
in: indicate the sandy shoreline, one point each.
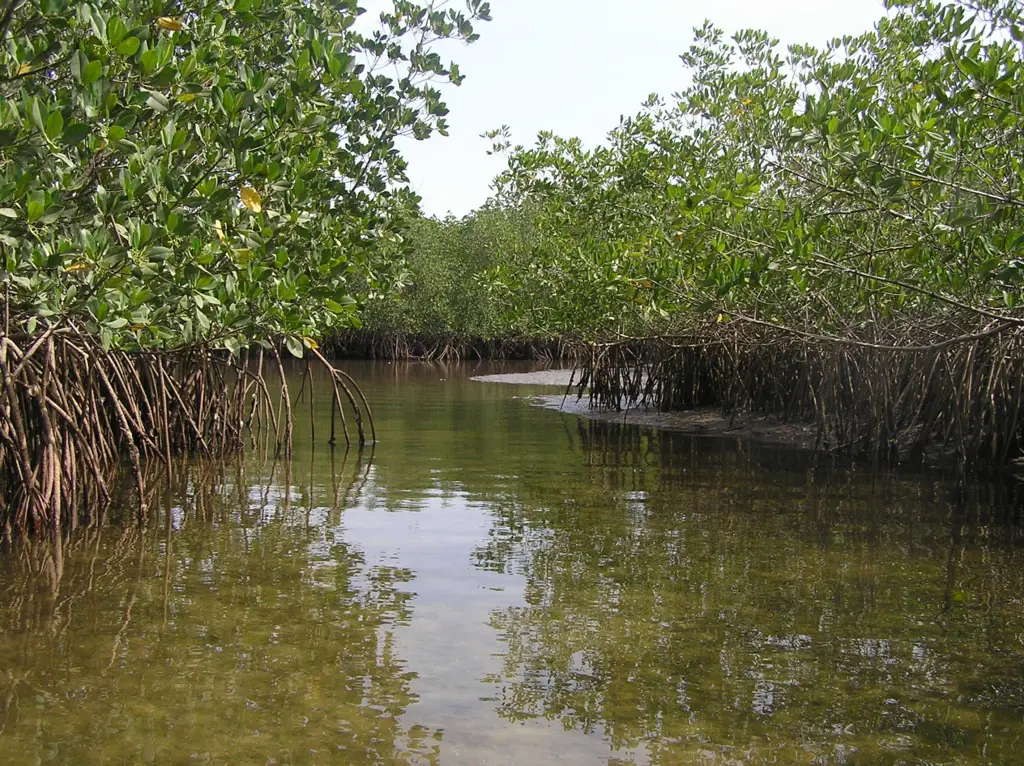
{"type": "Point", "coordinates": [558, 378]}
{"type": "Point", "coordinates": [710, 422]}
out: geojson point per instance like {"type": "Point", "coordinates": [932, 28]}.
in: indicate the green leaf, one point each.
{"type": "Point", "coordinates": [92, 72]}
{"type": "Point", "coordinates": [158, 102]}
{"type": "Point", "coordinates": [129, 46]}
{"type": "Point", "coordinates": [892, 183]}
{"type": "Point", "coordinates": [7, 212]}
{"type": "Point", "coordinates": [35, 111]}
{"type": "Point", "coordinates": [54, 125]}
{"type": "Point", "coordinates": [78, 64]}
{"type": "Point", "coordinates": [34, 210]}
{"type": "Point", "coordinates": [116, 31]}
{"type": "Point", "coordinates": [149, 60]}
{"type": "Point", "coordinates": [294, 346]}
{"type": "Point", "coordinates": [75, 133]}
{"type": "Point", "coordinates": [167, 134]}
{"type": "Point", "coordinates": [203, 321]}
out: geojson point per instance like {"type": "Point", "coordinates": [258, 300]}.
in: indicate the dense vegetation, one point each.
{"type": "Point", "coordinates": [181, 183]}
{"type": "Point", "coordinates": [829, 234]}
{"type": "Point", "coordinates": [833, 190]}
{"type": "Point", "coordinates": [439, 304]}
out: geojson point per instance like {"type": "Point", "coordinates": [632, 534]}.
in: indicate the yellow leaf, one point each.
{"type": "Point", "coordinates": [217, 227]}
{"type": "Point", "coordinates": [24, 69]}
{"type": "Point", "coordinates": [722, 319]}
{"type": "Point", "coordinates": [78, 267]}
{"type": "Point", "coordinates": [252, 199]}
{"type": "Point", "coordinates": [310, 343]}
{"type": "Point", "coordinates": [186, 97]}
{"type": "Point", "coordinates": [138, 327]}
{"type": "Point", "coordinates": [166, 22]}
{"type": "Point", "coordinates": [747, 101]}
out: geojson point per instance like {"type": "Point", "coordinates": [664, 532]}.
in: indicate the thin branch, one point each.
{"type": "Point", "coordinates": [917, 349]}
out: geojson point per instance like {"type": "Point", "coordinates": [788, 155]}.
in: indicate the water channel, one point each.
{"type": "Point", "coordinates": [496, 583]}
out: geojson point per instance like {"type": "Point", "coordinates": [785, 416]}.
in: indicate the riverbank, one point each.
{"type": "Point", "coordinates": [708, 421]}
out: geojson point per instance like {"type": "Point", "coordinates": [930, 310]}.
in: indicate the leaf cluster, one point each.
{"type": "Point", "coordinates": [179, 173]}
{"type": "Point", "coordinates": [872, 182]}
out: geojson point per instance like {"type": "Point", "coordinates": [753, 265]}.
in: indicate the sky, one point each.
{"type": "Point", "coordinates": [576, 66]}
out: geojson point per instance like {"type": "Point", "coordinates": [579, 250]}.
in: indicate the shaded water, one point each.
{"type": "Point", "coordinates": [504, 584]}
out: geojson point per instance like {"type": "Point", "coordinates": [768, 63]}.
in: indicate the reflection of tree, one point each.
{"type": "Point", "coordinates": [434, 442]}
{"type": "Point", "coordinates": [229, 628]}
{"type": "Point", "coordinates": [681, 595]}
{"type": "Point", "coordinates": [672, 602]}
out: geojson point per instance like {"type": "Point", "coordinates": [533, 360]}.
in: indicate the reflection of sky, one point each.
{"type": "Point", "coordinates": [449, 643]}
{"type": "Point", "coordinates": [703, 597]}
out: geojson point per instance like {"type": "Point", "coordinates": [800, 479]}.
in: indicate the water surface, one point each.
{"type": "Point", "coordinates": [501, 584]}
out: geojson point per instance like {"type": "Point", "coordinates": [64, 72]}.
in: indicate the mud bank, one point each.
{"type": "Point", "coordinates": [709, 421]}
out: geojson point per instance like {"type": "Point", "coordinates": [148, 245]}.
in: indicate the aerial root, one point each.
{"type": "Point", "coordinates": [71, 412]}
{"type": "Point", "coordinates": [897, 398]}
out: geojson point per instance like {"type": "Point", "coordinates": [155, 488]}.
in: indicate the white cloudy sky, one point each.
{"type": "Point", "coordinates": [575, 66]}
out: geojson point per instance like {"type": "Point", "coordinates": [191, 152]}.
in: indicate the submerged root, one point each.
{"type": "Point", "coordinates": [45, 576]}
{"type": "Point", "coordinates": [904, 397]}
{"type": "Point", "coordinates": [72, 412]}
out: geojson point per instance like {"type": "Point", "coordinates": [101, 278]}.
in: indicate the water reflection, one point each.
{"type": "Point", "coordinates": [689, 601]}
{"type": "Point", "coordinates": [502, 584]}
{"type": "Point", "coordinates": [237, 627]}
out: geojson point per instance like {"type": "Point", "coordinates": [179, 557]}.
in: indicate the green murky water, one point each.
{"type": "Point", "coordinates": [501, 584]}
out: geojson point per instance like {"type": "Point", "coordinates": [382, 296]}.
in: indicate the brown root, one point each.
{"type": "Point", "coordinates": [909, 397]}
{"type": "Point", "coordinates": [71, 412]}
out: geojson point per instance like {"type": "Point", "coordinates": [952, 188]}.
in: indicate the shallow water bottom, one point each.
{"type": "Point", "coordinates": [500, 583]}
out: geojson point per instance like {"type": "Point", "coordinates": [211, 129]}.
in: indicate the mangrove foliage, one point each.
{"type": "Point", "coordinates": [833, 235]}
{"type": "Point", "coordinates": [186, 189]}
